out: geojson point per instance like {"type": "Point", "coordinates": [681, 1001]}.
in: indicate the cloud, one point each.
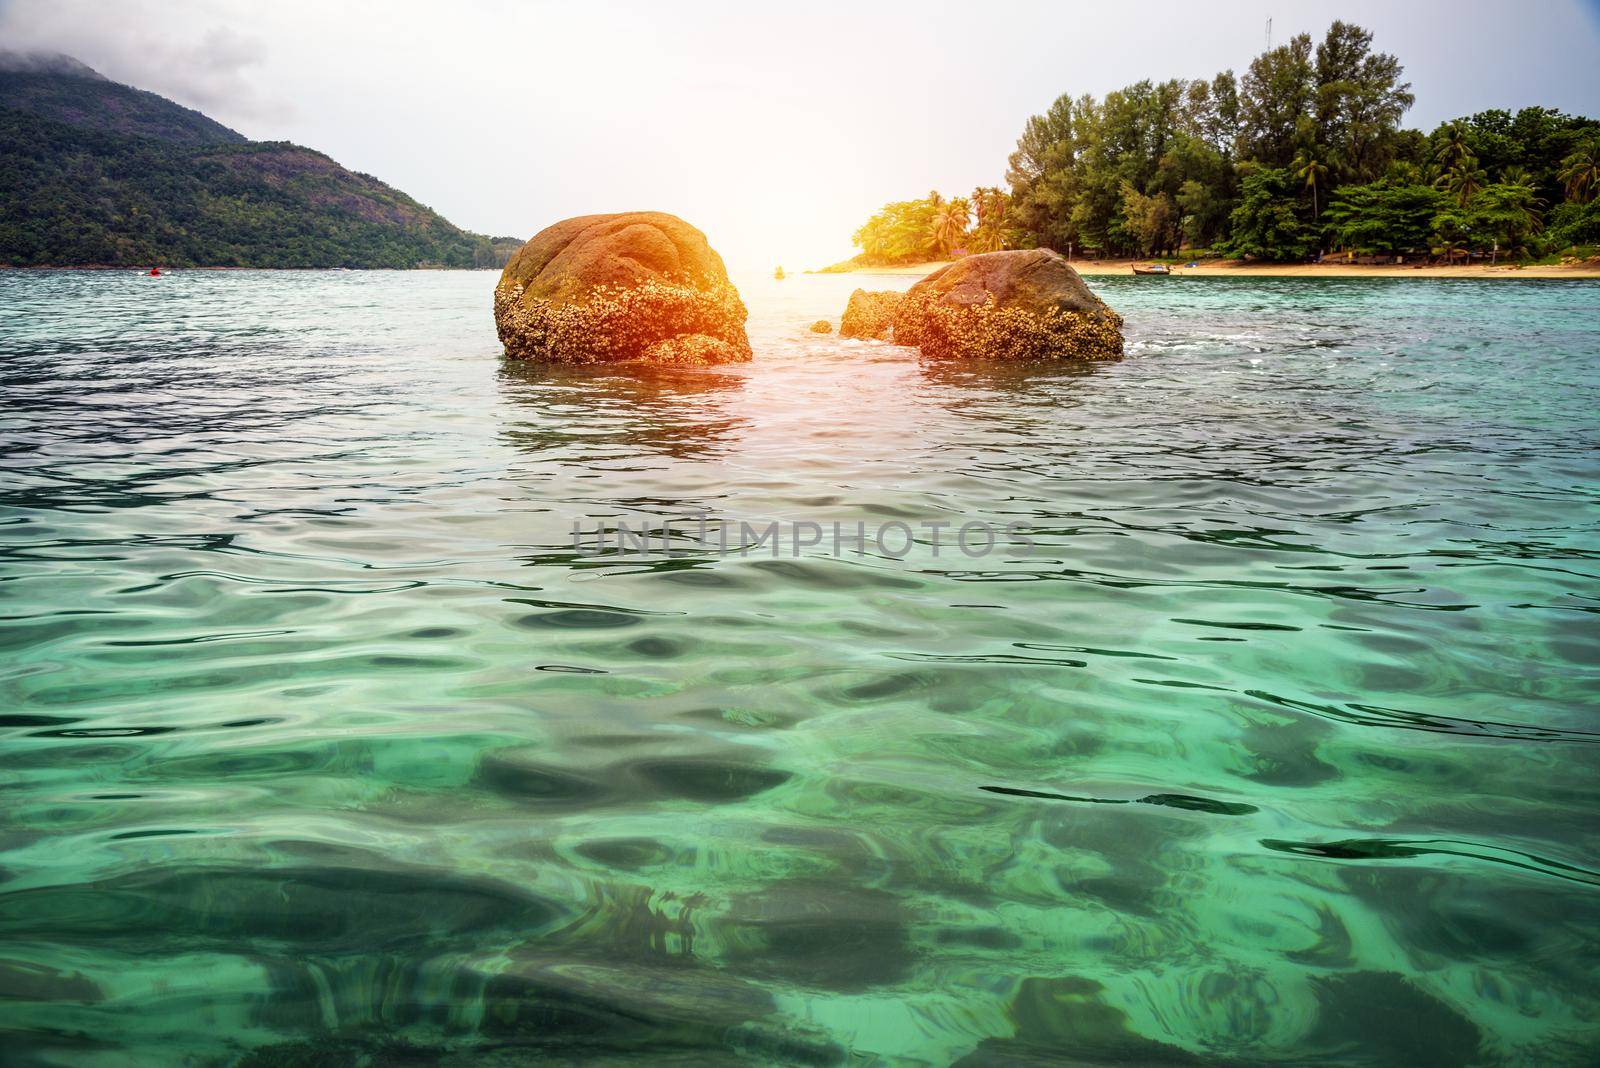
{"type": "Point", "coordinates": [207, 67]}
{"type": "Point", "coordinates": [777, 129]}
{"type": "Point", "coordinates": [45, 63]}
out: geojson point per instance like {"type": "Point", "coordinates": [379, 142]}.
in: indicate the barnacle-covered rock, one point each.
{"type": "Point", "coordinates": [821, 326]}
{"type": "Point", "coordinates": [1023, 305]}
{"type": "Point", "coordinates": [640, 285]}
{"type": "Point", "coordinates": [869, 314]}
{"type": "Point", "coordinates": [694, 349]}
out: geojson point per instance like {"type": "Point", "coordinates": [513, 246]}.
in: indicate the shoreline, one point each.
{"type": "Point", "coordinates": [1239, 269]}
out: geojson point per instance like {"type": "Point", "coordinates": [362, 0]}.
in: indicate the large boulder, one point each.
{"type": "Point", "coordinates": [640, 285]}
{"type": "Point", "coordinates": [1023, 305]}
{"type": "Point", "coordinates": [869, 314]}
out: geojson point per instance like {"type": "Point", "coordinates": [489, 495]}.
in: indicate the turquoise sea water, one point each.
{"type": "Point", "coordinates": [322, 743]}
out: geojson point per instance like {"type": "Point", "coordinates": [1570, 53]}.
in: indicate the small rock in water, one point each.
{"type": "Point", "coordinates": [1027, 304]}
{"type": "Point", "coordinates": [822, 326]}
{"type": "Point", "coordinates": [869, 314]}
{"type": "Point", "coordinates": [638, 286]}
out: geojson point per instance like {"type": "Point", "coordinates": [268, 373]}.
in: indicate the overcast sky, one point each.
{"type": "Point", "coordinates": [775, 130]}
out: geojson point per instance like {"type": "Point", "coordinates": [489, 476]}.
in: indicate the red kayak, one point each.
{"type": "Point", "coordinates": [155, 272]}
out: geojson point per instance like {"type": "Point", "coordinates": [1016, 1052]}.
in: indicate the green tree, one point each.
{"type": "Point", "coordinates": [1277, 102]}
{"type": "Point", "coordinates": [1043, 174]}
{"type": "Point", "coordinates": [1204, 211]}
{"type": "Point", "coordinates": [1211, 112]}
{"type": "Point", "coordinates": [1360, 99]}
{"type": "Point", "coordinates": [1580, 173]}
{"type": "Point", "coordinates": [1309, 124]}
{"type": "Point", "coordinates": [1384, 217]}
{"type": "Point", "coordinates": [1150, 221]}
{"type": "Point", "coordinates": [992, 208]}
{"type": "Point", "coordinates": [1266, 225]}
{"type": "Point", "coordinates": [1506, 215]}
{"type": "Point", "coordinates": [1313, 175]}
{"type": "Point", "coordinates": [1461, 176]}
{"type": "Point", "coordinates": [901, 232]}
{"type": "Point", "coordinates": [1573, 223]}
{"type": "Point", "coordinates": [950, 221]}
{"type": "Point", "coordinates": [1452, 233]}
{"type": "Point", "coordinates": [1454, 148]}
{"type": "Point", "coordinates": [1517, 175]}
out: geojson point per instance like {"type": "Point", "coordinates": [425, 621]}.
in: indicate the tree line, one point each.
{"type": "Point", "coordinates": [1302, 155]}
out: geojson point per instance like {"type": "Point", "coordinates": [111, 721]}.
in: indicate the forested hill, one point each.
{"type": "Point", "coordinates": [97, 173]}
{"type": "Point", "coordinates": [61, 88]}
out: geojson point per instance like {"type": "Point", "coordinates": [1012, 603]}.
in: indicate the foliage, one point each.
{"type": "Point", "coordinates": [1505, 214]}
{"type": "Point", "coordinates": [1458, 168]}
{"type": "Point", "coordinates": [1580, 173]}
{"type": "Point", "coordinates": [97, 173]}
{"type": "Point", "coordinates": [1203, 214]}
{"type": "Point", "coordinates": [85, 99]}
{"type": "Point", "coordinates": [902, 232]}
{"type": "Point", "coordinates": [1535, 140]}
{"type": "Point", "coordinates": [1328, 111]}
{"type": "Point", "coordinates": [1499, 216]}
{"type": "Point", "coordinates": [993, 210]}
{"type": "Point", "coordinates": [1313, 176]}
{"type": "Point", "coordinates": [1573, 223]}
{"type": "Point", "coordinates": [1150, 221]}
{"type": "Point", "coordinates": [74, 196]}
{"type": "Point", "coordinates": [912, 231]}
{"type": "Point", "coordinates": [1360, 100]}
{"type": "Point", "coordinates": [950, 221]}
{"type": "Point", "coordinates": [1384, 216]}
{"type": "Point", "coordinates": [1265, 224]}
{"type": "Point", "coordinates": [1255, 165]}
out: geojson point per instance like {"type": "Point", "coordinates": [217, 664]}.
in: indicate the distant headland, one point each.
{"type": "Point", "coordinates": [103, 174]}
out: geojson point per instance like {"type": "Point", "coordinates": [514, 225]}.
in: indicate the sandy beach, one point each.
{"type": "Point", "coordinates": [1240, 269]}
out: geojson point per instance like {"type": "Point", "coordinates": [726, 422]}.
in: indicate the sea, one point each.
{"type": "Point", "coordinates": [367, 699]}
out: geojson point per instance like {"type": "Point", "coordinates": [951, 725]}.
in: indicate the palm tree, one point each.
{"type": "Point", "coordinates": [1464, 178]}
{"type": "Point", "coordinates": [990, 206]}
{"type": "Point", "coordinates": [1530, 207]}
{"type": "Point", "coordinates": [1313, 175]}
{"type": "Point", "coordinates": [950, 222]}
{"type": "Point", "coordinates": [1515, 175]}
{"type": "Point", "coordinates": [1580, 173]}
{"type": "Point", "coordinates": [985, 238]}
{"type": "Point", "coordinates": [1455, 147]}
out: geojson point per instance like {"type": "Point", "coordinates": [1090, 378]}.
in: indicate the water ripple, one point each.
{"type": "Point", "coordinates": [325, 742]}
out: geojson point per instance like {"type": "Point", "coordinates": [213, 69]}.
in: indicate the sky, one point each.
{"type": "Point", "coordinates": [775, 129]}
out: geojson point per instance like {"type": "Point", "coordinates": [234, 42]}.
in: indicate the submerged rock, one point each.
{"type": "Point", "coordinates": [822, 326]}
{"type": "Point", "coordinates": [869, 315]}
{"type": "Point", "coordinates": [1023, 305]}
{"type": "Point", "coordinates": [640, 285]}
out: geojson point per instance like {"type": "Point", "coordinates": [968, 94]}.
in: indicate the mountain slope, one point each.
{"type": "Point", "coordinates": [96, 173]}
{"type": "Point", "coordinates": [60, 88]}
